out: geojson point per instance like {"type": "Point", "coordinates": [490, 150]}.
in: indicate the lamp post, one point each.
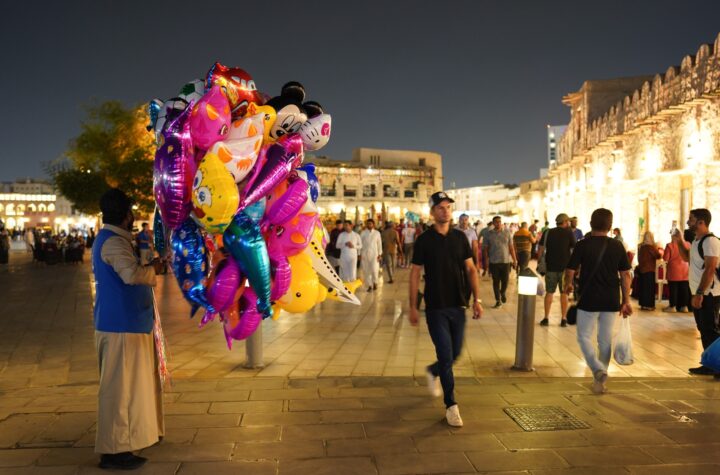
{"type": "Point", "coordinates": [527, 290]}
{"type": "Point", "coordinates": [254, 350]}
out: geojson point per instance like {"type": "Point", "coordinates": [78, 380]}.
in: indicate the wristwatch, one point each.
{"type": "Point", "coordinates": [699, 292]}
{"type": "Point", "coordinates": [478, 301]}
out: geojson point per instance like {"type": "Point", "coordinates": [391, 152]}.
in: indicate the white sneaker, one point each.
{"type": "Point", "coordinates": [599, 380]}
{"type": "Point", "coordinates": [669, 309]}
{"type": "Point", "coordinates": [453, 416]}
{"type": "Point", "coordinates": [433, 383]}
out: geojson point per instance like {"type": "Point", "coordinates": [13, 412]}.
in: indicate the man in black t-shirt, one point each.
{"type": "Point", "coordinates": [604, 271]}
{"type": "Point", "coordinates": [557, 243]}
{"type": "Point", "coordinates": [450, 274]}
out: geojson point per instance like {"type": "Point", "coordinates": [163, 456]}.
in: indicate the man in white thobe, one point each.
{"type": "Point", "coordinates": [349, 243]}
{"type": "Point", "coordinates": [371, 254]}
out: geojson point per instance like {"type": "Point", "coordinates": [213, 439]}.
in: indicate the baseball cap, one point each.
{"type": "Point", "coordinates": [561, 218]}
{"type": "Point", "coordinates": [438, 197]}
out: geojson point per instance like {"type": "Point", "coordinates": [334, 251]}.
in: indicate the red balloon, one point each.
{"type": "Point", "coordinates": [237, 84]}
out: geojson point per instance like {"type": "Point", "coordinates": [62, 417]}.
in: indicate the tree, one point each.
{"type": "Point", "coordinates": [114, 149]}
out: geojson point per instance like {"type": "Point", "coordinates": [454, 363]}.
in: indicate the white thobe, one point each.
{"type": "Point", "coordinates": [371, 251]}
{"type": "Point", "coordinates": [348, 255]}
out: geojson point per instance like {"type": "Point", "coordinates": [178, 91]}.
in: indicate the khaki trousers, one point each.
{"type": "Point", "coordinates": [130, 412]}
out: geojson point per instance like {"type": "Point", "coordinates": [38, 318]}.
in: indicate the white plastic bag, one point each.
{"type": "Point", "coordinates": [623, 344]}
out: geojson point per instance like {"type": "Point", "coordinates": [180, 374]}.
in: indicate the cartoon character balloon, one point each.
{"type": "Point", "coordinates": [190, 265]}
{"type": "Point", "coordinates": [289, 111]}
{"type": "Point", "coordinates": [238, 85]}
{"type": "Point", "coordinates": [315, 132]}
{"type": "Point", "coordinates": [210, 118]}
{"type": "Point", "coordinates": [242, 319]}
{"type": "Point", "coordinates": [268, 117]}
{"type": "Point", "coordinates": [239, 151]}
{"type": "Point", "coordinates": [305, 290]}
{"type": "Point", "coordinates": [173, 171]}
{"type": "Point", "coordinates": [215, 196]}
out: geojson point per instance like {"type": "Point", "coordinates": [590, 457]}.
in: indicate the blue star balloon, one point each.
{"type": "Point", "coordinates": [314, 185]}
{"type": "Point", "coordinates": [190, 264]}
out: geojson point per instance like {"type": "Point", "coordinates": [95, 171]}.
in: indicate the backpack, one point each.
{"type": "Point", "coordinates": [702, 253]}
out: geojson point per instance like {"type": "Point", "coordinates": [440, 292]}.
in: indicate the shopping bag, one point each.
{"type": "Point", "coordinates": [711, 356]}
{"type": "Point", "coordinates": [623, 344]}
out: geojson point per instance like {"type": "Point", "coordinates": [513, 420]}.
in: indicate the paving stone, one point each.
{"type": "Point", "coordinates": [245, 407]}
{"type": "Point", "coordinates": [282, 418]}
{"type": "Point", "coordinates": [35, 470]}
{"type": "Point", "coordinates": [275, 394]}
{"type": "Point", "coordinates": [353, 392]}
{"type": "Point", "coordinates": [360, 415]}
{"type": "Point", "coordinates": [598, 456]}
{"type": "Point", "coordinates": [625, 437]}
{"type": "Point", "coordinates": [398, 464]}
{"type": "Point", "coordinates": [20, 457]}
{"type": "Point", "coordinates": [675, 469]}
{"type": "Point", "coordinates": [457, 443]}
{"type": "Point", "coordinates": [690, 435]}
{"type": "Point", "coordinates": [329, 466]}
{"type": "Point", "coordinates": [580, 471]}
{"type": "Point", "coordinates": [202, 420]}
{"type": "Point", "coordinates": [688, 453]}
{"type": "Point", "coordinates": [234, 395]}
{"type": "Point", "coordinates": [189, 453]}
{"type": "Point", "coordinates": [235, 467]}
{"type": "Point", "coordinates": [322, 431]}
{"type": "Point", "coordinates": [236, 434]}
{"type": "Point", "coordinates": [69, 456]}
{"type": "Point", "coordinates": [410, 428]}
{"type": "Point", "coordinates": [494, 460]}
{"type": "Point", "coordinates": [278, 450]}
{"type": "Point", "coordinates": [23, 428]}
{"type": "Point", "coordinates": [374, 446]}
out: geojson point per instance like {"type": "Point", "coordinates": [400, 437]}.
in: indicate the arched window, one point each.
{"type": "Point", "coordinates": [2, 208]}
{"type": "Point", "coordinates": [10, 209]}
{"type": "Point", "coordinates": [21, 208]}
{"type": "Point", "coordinates": [51, 207]}
{"type": "Point", "coordinates": [42, 208]}
{"type": "Point", "coordinates": [32, 208]}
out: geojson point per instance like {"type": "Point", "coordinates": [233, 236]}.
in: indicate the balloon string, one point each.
{"type": "Point", "coordinates": [160, 346]}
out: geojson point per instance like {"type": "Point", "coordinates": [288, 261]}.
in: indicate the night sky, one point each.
{"type": "Point", "coordinates": [476, 81]}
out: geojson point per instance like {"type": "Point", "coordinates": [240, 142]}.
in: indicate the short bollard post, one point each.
{"type": "Point", "coordinates": [527, 290]}
{"type": "Point", "coordinates": [254, 349]}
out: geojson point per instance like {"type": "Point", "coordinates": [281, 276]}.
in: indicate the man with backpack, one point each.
{"type": "Point", "coordinates": [704, 279]}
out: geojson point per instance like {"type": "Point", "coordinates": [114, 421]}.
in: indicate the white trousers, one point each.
{"type": "Point", "coordinates": [371, 269]}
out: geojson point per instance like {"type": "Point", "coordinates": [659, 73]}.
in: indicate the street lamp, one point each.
{"type": "Point", "coordinates": [527, 290]}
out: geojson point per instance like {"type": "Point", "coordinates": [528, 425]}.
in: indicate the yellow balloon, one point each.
{"type": "Point", "coordinates": [268, 120]}
{"type": "Point", "coordinates": [215, 195]}
{"type": "Point", "coordinates": [304, 291]}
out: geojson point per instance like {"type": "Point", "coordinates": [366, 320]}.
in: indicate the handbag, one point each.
{"type": "Point", "coordinates": [623, 353]}
{"type": "Point", "coordinates": [541, 264]}
{"type": "Point", "coordinates": [572, 311]}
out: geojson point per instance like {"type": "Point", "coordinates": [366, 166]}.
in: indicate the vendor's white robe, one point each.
{"type": "Point", "coordinates": [348, 256]}
{"type": "Point", "coordinates": [371, 251]}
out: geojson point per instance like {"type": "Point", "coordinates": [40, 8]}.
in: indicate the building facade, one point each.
{"type": "Point", "coordinates": [554, 132]}
{"type": "Point", "coordinates": [27, 204]}
{"type": "Point", "coordinates": [647, 148]}
{"type": "Point", "coordinates": [383, 184]}
{"type": "Point", "coordinates": [484, 202]}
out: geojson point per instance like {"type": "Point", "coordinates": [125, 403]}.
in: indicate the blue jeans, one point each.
{"type": "Point", "coordinates": [447, 329]}
{"type": "Point", "coordinates": [597, 360]}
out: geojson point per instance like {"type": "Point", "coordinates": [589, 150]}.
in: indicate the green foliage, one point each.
{"type": "Point", "coordinates": [113, 149]}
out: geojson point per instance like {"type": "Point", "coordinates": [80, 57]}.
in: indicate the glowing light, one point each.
{"type": "Point", "coordinates": [527, 285]}
{"type": "Point", "coordinates": [651, 162]}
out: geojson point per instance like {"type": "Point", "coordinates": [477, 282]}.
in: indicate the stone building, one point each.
{"type": "Point", "coordinates": [645, 147]}
{"type": "Point", "coordinates": [385, 184]}
{"type": "Point", "coordinates": [484, 202]}
{"type": "Point", "coordinates": [26, 204]}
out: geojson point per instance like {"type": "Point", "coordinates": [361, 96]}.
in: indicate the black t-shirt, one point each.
{"type": "Point", "coordinates": [558, 243]}
{"type": "Point", "coordinates": [443, 257]}
{"type": "Point", "coordinates": [602, 293]}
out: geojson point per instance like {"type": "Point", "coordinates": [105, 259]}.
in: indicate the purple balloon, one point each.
{"type": "Point", "coordinates": [281, 158]}
{"type": "Point", "coordinates": [282, 274]}
{"type": "Point", "coordinates": [288, 205]}
{"type": "Point", "coordinates": [248, 318]}
{"type": "Point", "coordinates": [174, 170]}
{"type": "Point", "coordinates": [221, 293]}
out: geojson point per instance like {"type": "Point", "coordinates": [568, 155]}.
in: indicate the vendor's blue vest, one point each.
{"type": "Point", "coordinates": [119, 308]}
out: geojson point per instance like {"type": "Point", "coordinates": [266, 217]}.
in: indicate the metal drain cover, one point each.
{"type": "Point", "coordinates": [538, 418]}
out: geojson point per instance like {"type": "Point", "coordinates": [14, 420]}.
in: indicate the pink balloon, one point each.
{"type": "Point", "coordinates": [281, 276]}
{"type": "Point", "coordinates": [292, 237]}
{"type": "Point", "coordinates": [278, 160]}
{"type": "Point", "coordinates": [210, 118]}
{"type": "Point", "coordinates": [288, 205]}
{"type": "Point", "coordinates": [240, 322]}
{"type": "Point", "coordinates": [174, 170]}
{"type": "Point", "coordinates": [221, 293]}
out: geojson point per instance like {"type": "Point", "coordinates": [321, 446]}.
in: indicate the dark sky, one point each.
{"type": "Point", "coordinates": [476, 81]}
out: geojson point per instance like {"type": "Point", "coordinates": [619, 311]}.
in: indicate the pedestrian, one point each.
{"type": "Point", "coordinates": [704, 283]}
{"type": "Point", "coordinates": [576, 231]}
{"type": "Point", "coordinates": [90, 239]}
{"type": "Point", "coordinates": [483, 247]}
{"type": "Point", "coordinates": [349, 243]}
{"type": "Point", "coordinates": [450, 275]}
{"type": "Point", "coordinates": [604, 275]}
{"type": "Point", "coordinates": [391, 245]}
{"type": "Point", "coordinates": [371, 254]}
{"type": "Point", "coordinates": [331, 251]}
{"type": "Point", "coordinates": [558, 244]}
{"type": "Point", "coordinates": [501, 258]}
{"type": "Point", "coordinates": [464, 226]}
{"type": "Point", "coordinates": [677, 277]}
{"type": "Point", "coordinates": [617, 234]}
{"type": "Point", "coordinates": [408, 239]}
{"type": "Point", "coordinates": [648, 255]}
{"type": "Point", "coordinates": [145, 244]}
{"type": "Point", "coordinates": [130, 412]}
{"type": "Point", "coordinates": [4, 244]}
{"type": "Point", "coordinates": [534, 230]}
{"type": "Point", "coordinates": [523, 241]}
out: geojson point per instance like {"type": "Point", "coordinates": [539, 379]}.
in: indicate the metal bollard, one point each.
{"type": "Point", "coordinates": [254, 350]}
{"type": "Point", "coordinates": [527, 291]}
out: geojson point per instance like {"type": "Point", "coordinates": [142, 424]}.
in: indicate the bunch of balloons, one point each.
{"type": "Point", "coordinates": [235, 203]}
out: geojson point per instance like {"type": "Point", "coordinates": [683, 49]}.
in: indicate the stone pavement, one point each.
{"type": "Point", "coordinates": [343, 392]}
